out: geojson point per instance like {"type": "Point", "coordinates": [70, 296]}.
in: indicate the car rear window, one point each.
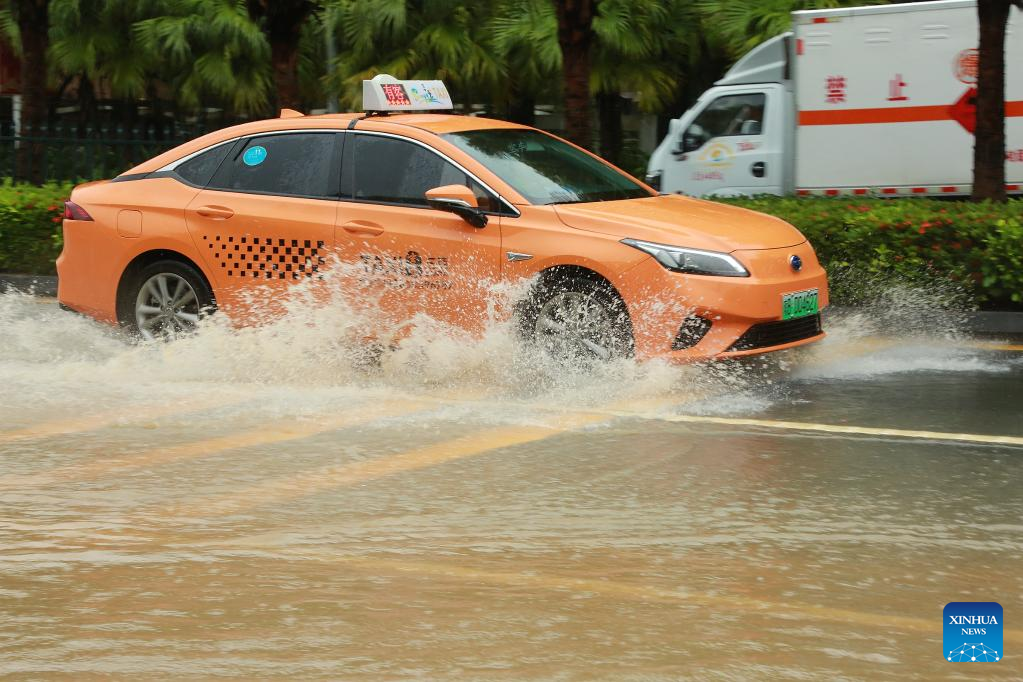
{"type": "Point", "coordinates": [199, 169]}
{"type": "Point", "coordinates": [291, 164]}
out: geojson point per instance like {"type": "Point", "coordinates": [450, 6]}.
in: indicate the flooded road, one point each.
{"type": "Point", "coordinates": [255, 504]}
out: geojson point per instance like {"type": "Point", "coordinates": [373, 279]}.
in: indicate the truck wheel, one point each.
{"type": "Point", "coordinates": [574, 318]}
{"type": "Point", "coordinates": [167, 300]}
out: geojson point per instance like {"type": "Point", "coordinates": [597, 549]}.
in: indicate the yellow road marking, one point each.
{"type": "Point", "coordinates": [986, 345]}
{"type": "Point", "coordinates": [335, 476]}
{"type": "Point", "coordinates": [94, 422]}
{"type": "Point", "coordinates": [621, 589]}
{"type": "Point", "coordinates": [615, 589]}
{"type": "Point", "coordinates": [831, 352]}
{"type": "Point", "coordinates": [209, 446]}
{"type": "Point", "coordinates": [854, 430]}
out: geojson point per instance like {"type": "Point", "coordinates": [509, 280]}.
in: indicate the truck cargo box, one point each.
{"type": "Point", "coordinates": [884, 98]}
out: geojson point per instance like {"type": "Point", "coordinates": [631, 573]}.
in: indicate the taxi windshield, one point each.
{"type": "Point", "coordinates": [544, 169]}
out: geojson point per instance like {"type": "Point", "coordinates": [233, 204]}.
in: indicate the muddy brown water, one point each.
{"type": "Point", "coordinates": [253, 504]}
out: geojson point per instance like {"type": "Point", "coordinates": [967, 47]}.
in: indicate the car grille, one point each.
{"type": "Point", "coordinates": [767, 334]}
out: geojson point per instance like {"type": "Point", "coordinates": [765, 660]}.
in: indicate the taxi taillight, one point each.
{"type": "Point", "coordinates": [73, 211]}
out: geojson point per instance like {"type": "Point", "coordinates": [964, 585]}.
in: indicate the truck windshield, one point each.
{"type": "Point", "coordinates": [544, 169]}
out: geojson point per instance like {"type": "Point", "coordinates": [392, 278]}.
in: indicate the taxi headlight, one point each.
{"type": "Point", "coordinates": [691, 261]}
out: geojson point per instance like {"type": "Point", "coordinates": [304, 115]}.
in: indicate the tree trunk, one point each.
{"type": "Point", "coordinates": [33, 23]}
{"type": "Point", "coordinates": [609, 110]}
{"type": "Point", "coordinates": [284, 58]}
{"type": "Point", "coordinates": [521, 107]}
{"type": "Point", "coordinates": [989, 133]}
{"type": "Point", "coordinates": [88, 116]}
{"type": "Point", "coordinates": [282, 21]}
{"type": "Point", "coordinates": [575, 36]}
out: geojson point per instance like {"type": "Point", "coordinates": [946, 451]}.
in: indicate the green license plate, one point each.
{"type": "Point", "coordinates": [799, 304]}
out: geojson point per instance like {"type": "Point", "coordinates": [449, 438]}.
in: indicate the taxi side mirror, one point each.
{"type": "Point", "coordinates": [457, 199]}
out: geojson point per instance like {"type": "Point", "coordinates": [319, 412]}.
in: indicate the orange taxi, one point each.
{"type": "Point", "coordinates": [429, 210]}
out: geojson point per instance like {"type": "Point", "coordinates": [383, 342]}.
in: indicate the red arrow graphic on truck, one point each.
{"type": "Point", "coordinates": [964, 110]}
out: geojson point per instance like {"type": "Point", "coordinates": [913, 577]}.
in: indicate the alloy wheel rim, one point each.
{"type": "Point", "coordinates": [571, 324]}
{"type": "Point", "coordinates": [166, 307]}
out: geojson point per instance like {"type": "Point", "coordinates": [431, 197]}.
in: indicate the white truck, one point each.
{"type": "Point", "coordinates": [862, 101]}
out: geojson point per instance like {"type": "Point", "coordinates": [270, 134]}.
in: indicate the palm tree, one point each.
{"type": "Point", "coordinates": [282, 22]}
{"type": "Point", "coordinates": [431, 39]}
{"type": "Point", "coordinates": [209, 49]}
{"type": "Point", "coordinates": [523, 35]}
{"type": "Point", "coordinates": [31, 17]}
{"type": "Point", "coordinates": [575, 36]}
{"type": "Point", "coordinates": [638, 49]}
{"type": "Point", "coordinates": [744, 24]}
{"type": "Point", "coordinates": [88, 45]}
{"type": "Point", "coordinates": [989, 133]}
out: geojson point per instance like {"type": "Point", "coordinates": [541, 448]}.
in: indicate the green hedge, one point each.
{"type": "Point", "coordinates": [979, 247]}
{"type": "Point", "coordinates": [927, 242]}
{"type": "Point", "coordinates": [30, 227]}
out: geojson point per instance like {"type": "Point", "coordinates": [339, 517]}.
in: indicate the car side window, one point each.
{"type": "Point", "coordinates": [726, 116]}
{"type": "Point", "coordinates": [291, 164]}
{"type": "Point", "coordinates": [392, 171]}
{"type": "Point", "coordinates": [199, 169]}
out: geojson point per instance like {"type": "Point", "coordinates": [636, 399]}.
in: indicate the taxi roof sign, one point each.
{"type": "Point", "coordinates": [387, 93]}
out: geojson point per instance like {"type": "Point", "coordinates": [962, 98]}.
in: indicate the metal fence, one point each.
{"type": "Point", "coordinates": [76, 154]}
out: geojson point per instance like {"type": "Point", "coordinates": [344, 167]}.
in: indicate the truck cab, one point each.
{"type": "Point", "coordinates": [737, 138]}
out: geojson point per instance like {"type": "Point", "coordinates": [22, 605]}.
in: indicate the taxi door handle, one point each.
{"type": "Point", "coordinates": [362, 227]}
{"type": "Point", "coordinates": [215, 212]}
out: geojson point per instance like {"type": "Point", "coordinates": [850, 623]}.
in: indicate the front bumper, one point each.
{"type": "Point", "coordinates": [660, 301]}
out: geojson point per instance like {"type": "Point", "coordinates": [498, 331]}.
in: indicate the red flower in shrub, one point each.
{"type": "Point", "coordinates": [52, 207]}
{"type": "Point", "coordinates": [56, 219]}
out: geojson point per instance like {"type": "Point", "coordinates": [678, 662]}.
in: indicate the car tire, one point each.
{"type": "Point", "coordinates": [166, 300]}
{"type": "Point", "coordinates": [577, 319]}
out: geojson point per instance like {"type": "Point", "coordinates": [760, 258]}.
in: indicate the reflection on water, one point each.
{"type": "Point", "coordinates": [264, 502]}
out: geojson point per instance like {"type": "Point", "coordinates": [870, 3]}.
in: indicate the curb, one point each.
{"type": "Point", "coordinates": [996, 322]}
{"type": "Point", "coordinates": [980, 322]}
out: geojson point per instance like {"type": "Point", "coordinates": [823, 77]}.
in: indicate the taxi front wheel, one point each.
{"type": "Point", "coordinates": [167, 300]}
{"type": "Point", "coordinates": [577, 318]}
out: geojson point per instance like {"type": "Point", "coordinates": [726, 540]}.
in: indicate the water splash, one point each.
{"type": "Point", "coordinates": [315, 349]}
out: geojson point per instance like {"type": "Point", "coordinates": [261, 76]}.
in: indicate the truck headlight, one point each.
{"type": "Point", "coordinates": [691, 261]}
{"type": "Point", "coordinates": [654, 180]}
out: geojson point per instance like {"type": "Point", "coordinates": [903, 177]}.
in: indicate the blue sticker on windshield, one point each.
{"type": "Point", "coordinates": [254, 156]}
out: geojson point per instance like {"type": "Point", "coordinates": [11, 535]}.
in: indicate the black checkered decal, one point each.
{"type": "Point", "coordinates": [266, 257]}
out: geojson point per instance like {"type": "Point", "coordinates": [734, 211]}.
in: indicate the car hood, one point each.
{"type": "Point", "coordinates": [682, 221]}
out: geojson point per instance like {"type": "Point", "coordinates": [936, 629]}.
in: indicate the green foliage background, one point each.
{"type": "Point", "coordinates": [194, 54]}
{"type": "Point", "coordinates": [30, 227]}
{"type": "Point", "coordinates": [978, 246]}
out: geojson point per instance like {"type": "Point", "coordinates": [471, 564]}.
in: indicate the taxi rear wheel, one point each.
{"type": "Point", "coordinates": [577, 318]}
{"type": "Point", "coordinates": [167, 300]}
